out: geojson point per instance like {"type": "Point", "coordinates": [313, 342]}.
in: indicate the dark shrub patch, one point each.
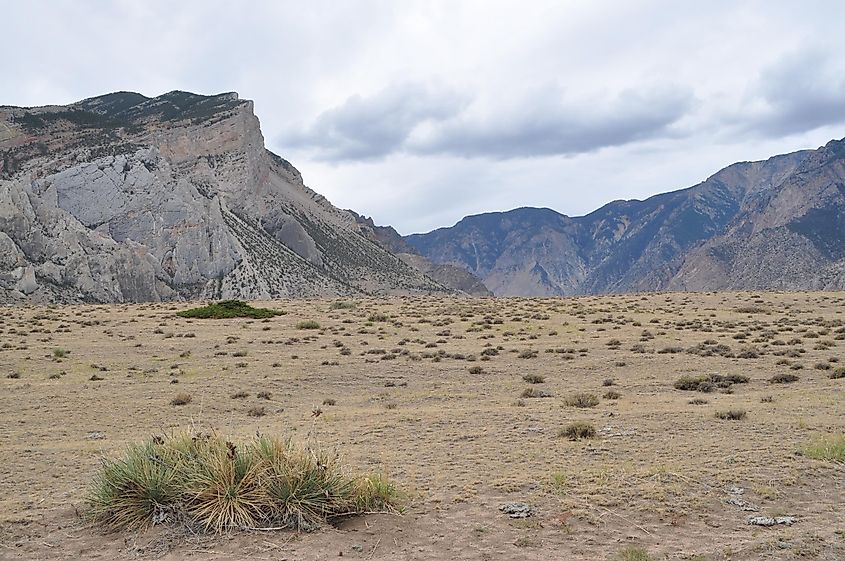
{"type": "Point", "coordinates": [227, 309]}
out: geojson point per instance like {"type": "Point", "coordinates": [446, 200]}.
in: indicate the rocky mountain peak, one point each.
{"type": "Point", "coordinates": [124, 197]}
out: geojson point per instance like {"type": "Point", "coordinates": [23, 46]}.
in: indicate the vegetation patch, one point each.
{"type": "Point", "coordinates": [837, 374]}
{"type": "Point", "coordinates": [635, 553]}
{"type": "Point", "coordinates": [709, 382]}
{"type": "Point", "coordinates": [227, 309]}
{"type": "Point", "coordinates": [578, 430]}
{"type": "Point", "coordinates": [783, 378]}
{"type": "Point", "coordinates": [829, 448]}
{"type": "Point", "coordinates": [731, 415]}
{"type": "Point", "coordinates": [582, 400]}
{"type": "Point", "coordinates": [207, 483]}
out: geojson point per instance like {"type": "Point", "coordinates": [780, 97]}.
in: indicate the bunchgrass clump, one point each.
{"type": "Point", "coordinates": [635, 553]}
{"type": "Point", "coordinates": [181, 399]}
{"type": "Point", "coordinates": [227, 309]}
{"type": "Point", "coordinates": [210, 484]}
{"type": "Point", "coordinates": [828, 448]}
{"type": "Point", "coordinates": [578, 430]}
{"type": "Point", "coordinates": [731, 414]}
{"type": "Point", "coordinates": [581, 400]}
{"type": "Point", "coordinates": [308, 324]}
{"type": "Point", "coordinates": [534, 392]}
{"type": "Point", "coordinates": [783, 378]}
{"type": "Point", "coordinates": [837, 374]}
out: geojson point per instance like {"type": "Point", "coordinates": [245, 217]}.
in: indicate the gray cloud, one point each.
{"type": "Point", "coordinates": [417, 120]}
{"type": "Point", "coordinates": [366, 128]}
{"type": "Point", "coordinates": [802, 91]}
{"type": "Point", "coordinates": [546, 125]}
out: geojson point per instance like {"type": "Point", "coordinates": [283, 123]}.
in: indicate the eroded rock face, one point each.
{"type": "Point", "coordinates": [126, 198]}
{"type": "Point", "coordinates": [452, 276]}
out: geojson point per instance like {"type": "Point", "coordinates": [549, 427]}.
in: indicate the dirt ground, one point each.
{"type": "Point", "coordinates": [428, 390]}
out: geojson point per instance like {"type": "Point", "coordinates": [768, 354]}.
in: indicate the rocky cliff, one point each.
{"type": "Point", "coordinates": [453, 276]}
{"type": "Point", "coordinates": [127, 198]}
{"type": "Point", "coordinates": [778, 223]}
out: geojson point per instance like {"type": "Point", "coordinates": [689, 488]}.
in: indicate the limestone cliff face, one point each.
{"type": "Point", "coordinates": [778, 223]}
{"type": "Point", "coordinates": [127, 198]}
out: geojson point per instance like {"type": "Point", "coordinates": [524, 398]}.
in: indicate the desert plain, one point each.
{"type": "Point", "coordinates": [464, 404]}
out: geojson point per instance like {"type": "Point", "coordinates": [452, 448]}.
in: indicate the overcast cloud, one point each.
{"type": "Point", "coordinates": [421, 112]}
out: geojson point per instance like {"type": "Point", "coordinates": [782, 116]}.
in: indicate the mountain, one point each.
{"type": "Point", "coordinates": [446, 274]}
{"type": "Point", "coordinates": [126, 198]}
{"type": "Point", "coordinates": [777, 224]}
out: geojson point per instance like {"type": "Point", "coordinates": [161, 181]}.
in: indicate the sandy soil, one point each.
{"type": "Point", "coordinates": [460, 443]}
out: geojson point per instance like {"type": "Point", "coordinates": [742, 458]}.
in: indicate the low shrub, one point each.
{"type": "Point", "coordinates": [181, 399]}
{"type": "Point", "coordinates": [731, 415]}
{"type": "Point", "coordinates": [582, 400]}
{"type": "Point", "coordinates": [212, 485]}
{"type": "Point", "coordinates": [783, 378]}
{"type": "Point", "coordinates": [227, 309]}
{"type": "Point", "coordinates": [308, 324]}
{"type": "Point", "coordinates": [709, 382]}
{"type": "Point", "coordinates": [837, 374]}
{"type": "Point", "coordinates": [534, 378]}
{"type": "Point", "coordinates": [578, 430]}
{"type": "Point", "coordinates": [533, 392]}
{"type": "Point", "coordinates": [373, 318]}
{"type": "Point", "coordinates": [635, 553]}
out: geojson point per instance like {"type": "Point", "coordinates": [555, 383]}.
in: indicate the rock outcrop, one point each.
{"type": "Point", "coordinates": [127, 198]}
{"type": "Point", "coordinates": [452, 276]}
{"type": "Point", "coordinates": [777, 224]}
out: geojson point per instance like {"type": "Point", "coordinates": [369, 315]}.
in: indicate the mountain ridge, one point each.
{"type": "Point", "coordinates": [636, 245]}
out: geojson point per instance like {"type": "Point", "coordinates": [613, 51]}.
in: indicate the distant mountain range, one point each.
{"type": "Point", "coordinates": [775, 224]}
{"type": "Point", "coordinates": [124, 198]}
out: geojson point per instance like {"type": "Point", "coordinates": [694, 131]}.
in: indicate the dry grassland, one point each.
{"type": "Point", "coordinates": [437, 394]}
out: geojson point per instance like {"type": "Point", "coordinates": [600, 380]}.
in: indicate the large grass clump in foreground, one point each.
{"type": "Point", "coordinates": [210, 484]}
{"type": "Point", "coordinates": [227, 309]}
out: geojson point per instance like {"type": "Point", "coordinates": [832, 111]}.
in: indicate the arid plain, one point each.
{"type": "Point", "coordinates": [442, 395]}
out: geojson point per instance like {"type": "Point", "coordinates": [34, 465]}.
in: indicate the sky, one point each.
{"type": "Point", "coordinates": [419, 113]}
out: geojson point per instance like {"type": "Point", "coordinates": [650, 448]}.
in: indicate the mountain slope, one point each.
{"type": "Point", "coordinates": [128, 198]}
{"type": "Point", "coordinates": [792, 237]}
{"type": "Point", "coordinates": [452, 276]}
{"type": "Point", "coordinates": [771, 224]}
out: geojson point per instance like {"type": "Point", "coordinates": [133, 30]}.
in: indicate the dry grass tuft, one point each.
{"type": "Point", "coordinates": [582, 400]}
{"type": "Point", "coordinates": [578, 430]}
{"type": "Point", "coordinates": [212, 484]}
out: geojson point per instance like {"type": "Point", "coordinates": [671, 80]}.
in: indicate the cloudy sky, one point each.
{"type": "Point", "coordinates": [421, 112]}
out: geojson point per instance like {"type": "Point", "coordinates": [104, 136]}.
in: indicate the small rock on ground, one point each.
{"type": "Point", "coordinates": [517, 510]}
